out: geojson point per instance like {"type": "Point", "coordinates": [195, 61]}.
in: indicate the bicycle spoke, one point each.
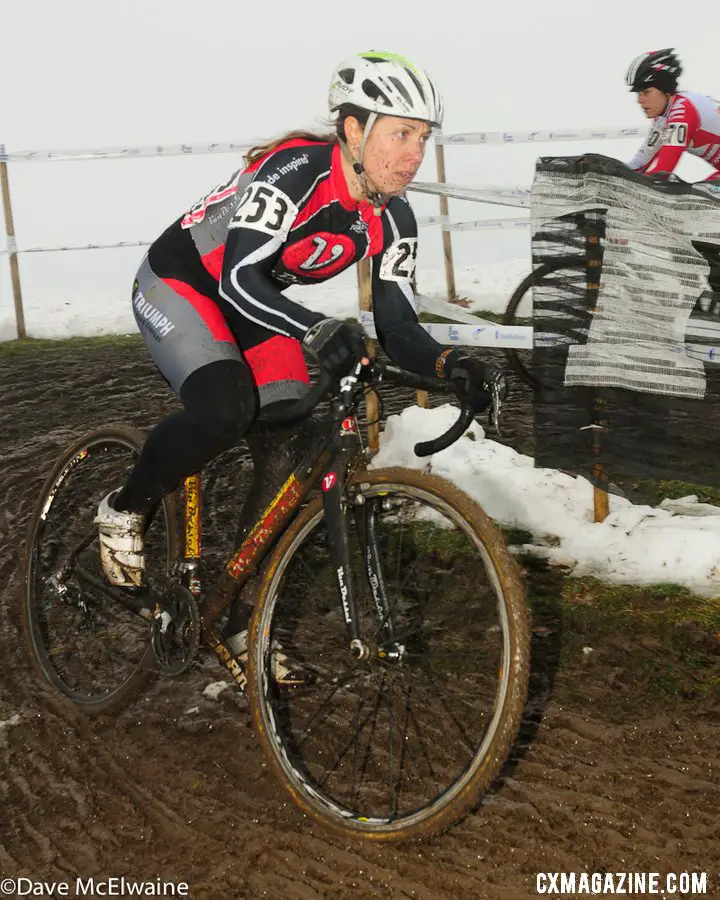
{"type": "Point", "coordinates": [440, 735]}
{"type": "Point", "coordinates": [368, 753]}
{"type": "Point", "coordinates": [341, 754]}
{"type": "Point", "coordinates": [405, 748]}
{"type": "Point", "coordinates": [446, 713]}
{"type": "Point", "coordinates": [441, 627]}
{"type": "Point", "coordinates": [392, 719]}
{"type": "Point", "coordinates": [307, 727]}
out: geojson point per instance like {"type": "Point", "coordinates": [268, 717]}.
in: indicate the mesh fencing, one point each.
{"type": "Point", "coordinates": [626, 314]}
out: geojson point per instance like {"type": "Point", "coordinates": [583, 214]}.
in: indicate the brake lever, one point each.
{"type": "Point", "coordinates": [349, 382]}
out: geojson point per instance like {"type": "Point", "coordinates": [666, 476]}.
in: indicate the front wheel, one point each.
{"type": "Point", "coordinates": [403, 743]}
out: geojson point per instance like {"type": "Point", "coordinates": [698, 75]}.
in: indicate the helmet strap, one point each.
{"type": "Point", "coordinates": [372, 119]}
{"type": "Point", "coordinates": [377, 198]}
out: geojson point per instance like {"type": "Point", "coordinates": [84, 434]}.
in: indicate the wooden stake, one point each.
{"type": "Point", "coordinates": [601, 499]}
{"type": "Point", "coordinates": [593, 259]}
{"type": "Point", "coordinates": [446, 239]}
{"type": "Point", "coordinates": [422, 398]}
{"type": "Point", "coordinates": [14, 268]}
{"type": "Point", "coordinates": [372, 407]}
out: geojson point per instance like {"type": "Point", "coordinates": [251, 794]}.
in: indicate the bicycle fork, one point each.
{"type": "Point", "coordinates": [337, 517]}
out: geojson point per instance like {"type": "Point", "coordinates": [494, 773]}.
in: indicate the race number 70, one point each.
{"type": "Point", "coordinates": [676, 134]}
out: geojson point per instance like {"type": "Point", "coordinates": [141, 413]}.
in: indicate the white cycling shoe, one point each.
{"type": "Point", "coordinates": [121, 544]}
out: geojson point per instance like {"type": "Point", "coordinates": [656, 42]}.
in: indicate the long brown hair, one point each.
{"type": "Point", "coordinates": [331, 137]}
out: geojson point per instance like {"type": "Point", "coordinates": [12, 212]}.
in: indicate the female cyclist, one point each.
{"type": "Point", "coordinates": [209, 302]}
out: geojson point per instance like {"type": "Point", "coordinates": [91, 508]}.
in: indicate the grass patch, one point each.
{"type": "Point", "coordinates": [657, 491]}
{"type": "Point", "coordinates": [30, 346]}
{"type": "Point", "coordinates": [649, 643]}
{"type": "Point", "coordinates": [514, 535]}
{"type": "Point", "coordinates": [427, 539]}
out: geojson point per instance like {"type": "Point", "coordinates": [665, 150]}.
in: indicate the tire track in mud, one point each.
{"type": "Point", "coordinates": [175, 786]}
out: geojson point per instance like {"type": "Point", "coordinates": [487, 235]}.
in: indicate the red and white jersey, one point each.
{"type": "Point", "coordinates": [690, 123]}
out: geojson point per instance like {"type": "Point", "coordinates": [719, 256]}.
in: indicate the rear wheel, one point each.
{"type": "Point", "coordinates": [405, 742]}
{"type": "Point", "coordinates": [520, 310]}
{"type": "Point", "coordinates": [89, 641]}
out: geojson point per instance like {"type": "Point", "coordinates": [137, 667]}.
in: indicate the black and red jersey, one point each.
{"type": "Point", "coordinates": [289, 219]}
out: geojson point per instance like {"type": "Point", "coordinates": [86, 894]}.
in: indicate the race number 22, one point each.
{"type": "Point", "coordinates": [398, 262]}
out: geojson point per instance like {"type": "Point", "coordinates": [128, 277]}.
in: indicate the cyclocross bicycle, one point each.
{"type": "Point", "coordinates": [389, 593]}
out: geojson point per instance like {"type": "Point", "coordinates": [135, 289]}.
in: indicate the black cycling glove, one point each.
{"type": "Point", "coordinates": [473, 378]}
{"type": "Point", "coordinates": [337, 345]}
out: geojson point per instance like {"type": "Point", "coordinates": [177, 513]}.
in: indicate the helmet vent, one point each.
{"type": "Point", "coordinates": [347, 75]}
{"type": "Point", "coordinates": [374, 93]}
{"type": "Point", "coordinates": [417, 84]}
{"type": "Point", "coordinates": [401, 89]}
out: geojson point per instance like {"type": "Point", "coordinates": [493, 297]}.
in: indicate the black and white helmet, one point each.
{"type": "Point", "coordinates": [386, 84]}
{"type": "Point", "coordinates": [658, 68]}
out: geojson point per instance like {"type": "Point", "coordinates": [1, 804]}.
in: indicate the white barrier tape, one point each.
{"type": "Point", "coordinates": [197, 149]}
{"type": "Point", "coordinates": [542, 136]}
{"type": "Point", "coordinates": [508, 224]}
{"type": "Point", "coordinates": [705, 353]}
{"type": "Point", "coordinates": [123, 152]}
{"type": "Point", "coordinates": [497, 196]}
{"type": "Point", "coordinates": [434, 220]}
{"type": "Point", "coordinates": [13, 248]}
{"type": "Point", "coordinates": [448, 310]}
{"type": "Point", "coordinates": [484, 335]}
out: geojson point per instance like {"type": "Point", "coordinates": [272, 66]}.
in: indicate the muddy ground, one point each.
{"type": "Point", "coordinates": [603, 778]}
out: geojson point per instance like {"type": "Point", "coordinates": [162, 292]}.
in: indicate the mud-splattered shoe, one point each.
{"type": "Point", "coordinates": [121, 544]}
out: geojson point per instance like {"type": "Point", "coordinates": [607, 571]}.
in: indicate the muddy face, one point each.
{"type": "Point", "coordinates": [393, 152]}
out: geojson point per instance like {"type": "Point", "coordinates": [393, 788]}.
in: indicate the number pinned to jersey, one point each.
{"type": "Point", "coordinates": [676, 135]}
{"type": "Point", "coordinates": [398, 261]}
{"type": "Point", "coordinates": [263, 207]}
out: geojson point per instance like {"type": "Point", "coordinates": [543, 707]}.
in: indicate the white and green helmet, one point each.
{"type": "Point", "coordinates": [386, 84]}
